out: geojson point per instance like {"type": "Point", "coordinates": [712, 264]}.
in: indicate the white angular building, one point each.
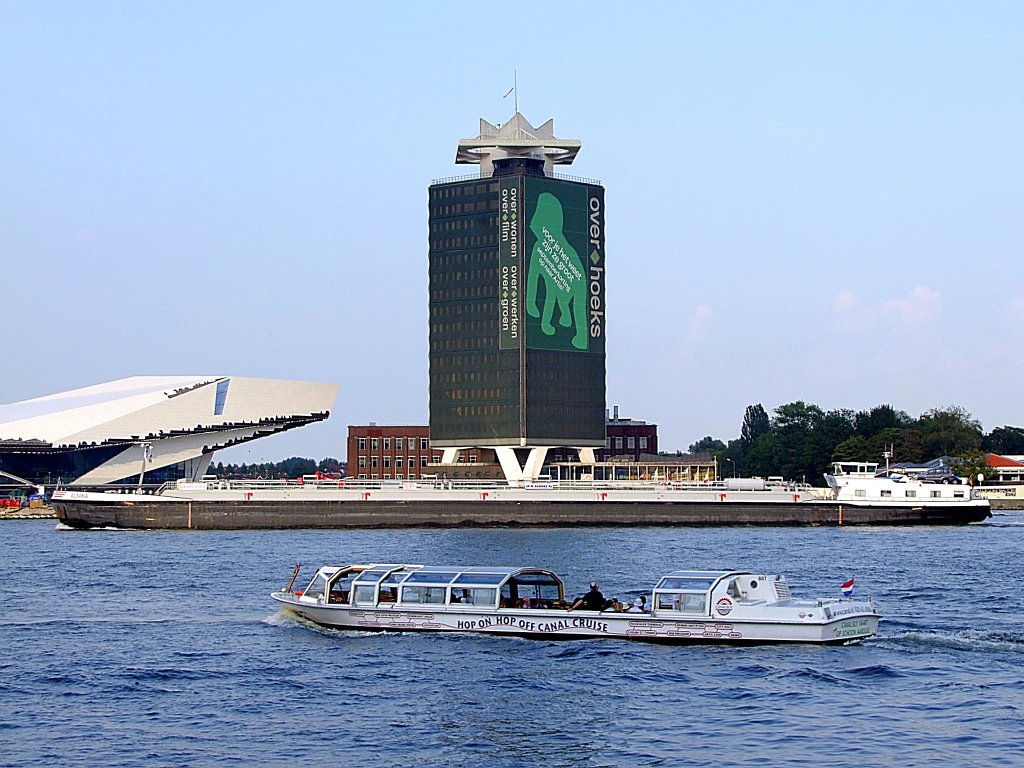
{"type": "Point", "coordinates": [166, 427]}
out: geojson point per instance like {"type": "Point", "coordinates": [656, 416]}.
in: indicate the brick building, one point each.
{"type": "Point", "coordinates": [405, 452]}
{"type": "Point", "coordinates": [395, 452]}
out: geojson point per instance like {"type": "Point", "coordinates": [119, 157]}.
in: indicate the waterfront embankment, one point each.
{"type": "Point", "coordinates": [28, 513]}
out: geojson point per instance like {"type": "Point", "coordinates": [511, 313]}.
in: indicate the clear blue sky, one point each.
{"type": "Point", "coordinates": [805, 201]}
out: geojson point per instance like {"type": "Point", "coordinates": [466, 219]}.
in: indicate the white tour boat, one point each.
{"type": "Point", "coordinates": [684, 606]}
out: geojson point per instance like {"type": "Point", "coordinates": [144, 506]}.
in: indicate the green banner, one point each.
{"type": "Point", "coordinates": [564, 289]}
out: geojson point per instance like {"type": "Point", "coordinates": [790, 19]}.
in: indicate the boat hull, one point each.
{"type": "Point", "coordinates": [87, 511]}
{"type": "Point", "coordinates": [564, 625]}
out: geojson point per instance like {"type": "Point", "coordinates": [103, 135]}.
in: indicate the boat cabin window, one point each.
{"type": "Point", "coordinates": [484, 596]}
{"type": "Point", "coordinates": [340, 589]}
{"type": "Point", "coordinates": [364, 586]}
{"type": "Point", "coordinates": [686, 593]}
{"type": "Point", "coordinates": [362, 594]}
{"type": "Point", "coordinates": [683, 602]}
{"type": "Point", "coordinates": [417, 594]}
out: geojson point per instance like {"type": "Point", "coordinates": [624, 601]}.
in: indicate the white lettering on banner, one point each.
{"type": "Point", "coordinates": [596, 270]}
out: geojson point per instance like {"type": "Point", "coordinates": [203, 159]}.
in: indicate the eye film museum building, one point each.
{"type": "Point", "coordinates": [162, 427]}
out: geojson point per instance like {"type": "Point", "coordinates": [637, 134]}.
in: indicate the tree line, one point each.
{"type": "Point", "coordinates": [294, 467]}
{"type": "Point", "coordinates": [799, 441]}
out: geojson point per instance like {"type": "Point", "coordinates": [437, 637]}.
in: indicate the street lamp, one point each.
{"type": "Point", "coordinates": [733, 466]}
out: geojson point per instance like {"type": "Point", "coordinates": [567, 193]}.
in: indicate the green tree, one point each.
{"type": "Point", "coordinates": [948, 432]}
{"type": "Point", "coordinates": [827, 432]}
{"type": "Point", "coordinates": [786, 449]}
{"type": "Point", "coordinates": [971, 464]}
{"type": "Point", "coordinates": [1004, 441]}
{"type": "Point", "coordinates": [707, 444]}
{"type": "Point", "coordinates": [759, 459]}
{"type": "Point", "coordinates": [904, 445]}
{"type": "Point", "coordinates": [755, 424]}
{"type": "Point", "coordinates": [853, 448]}
{"type": "Point", "coordinates": [881, 417]}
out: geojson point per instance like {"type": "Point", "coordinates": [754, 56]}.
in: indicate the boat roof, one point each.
{"type": "Point", "coordinates": [702, 574]}
{"type": "Point", "coordinates": [694, 580]}
{"type": "Point", "coordinates": [436, 574]}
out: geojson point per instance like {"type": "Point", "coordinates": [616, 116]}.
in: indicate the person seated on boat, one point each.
{"type": "Point", "coordinates": [525, 603]}
{"type": "Point", "coordinates": [592, 601]}
{"type": "Point", "coordinates": [639, 605]}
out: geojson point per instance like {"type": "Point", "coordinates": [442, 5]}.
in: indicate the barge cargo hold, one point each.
{"type": "Point", "coordinates": [855, 497]}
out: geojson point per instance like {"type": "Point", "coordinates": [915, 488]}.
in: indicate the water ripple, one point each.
{"type": "Point", "coordinates": [163, 649]}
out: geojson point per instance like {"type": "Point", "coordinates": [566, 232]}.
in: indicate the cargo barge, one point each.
{"type": "Point", "coordinates": [856, 496]}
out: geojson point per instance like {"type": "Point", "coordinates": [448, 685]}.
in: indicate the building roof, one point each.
{"type": "Point", "coordinates": [141, 406]}
{"type": "Point", "coordinates": [995, 460]}
{"type": "Point", "coordinates": [153, 422]}
{"type": "Point", "coordinates": [517, 138]}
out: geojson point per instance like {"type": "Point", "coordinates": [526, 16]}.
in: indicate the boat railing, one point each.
{"type": "Point", "coordinates": [441, 483]}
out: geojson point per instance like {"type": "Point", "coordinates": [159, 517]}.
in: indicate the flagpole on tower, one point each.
{"type": "Point", "coordinates": [514, 90]}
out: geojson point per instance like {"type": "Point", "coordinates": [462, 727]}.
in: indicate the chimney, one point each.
{"type": "Point", "coordinates": [616, 413]}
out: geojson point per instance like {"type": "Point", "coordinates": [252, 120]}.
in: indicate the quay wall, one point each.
{"type": "Point", "coordinates": [28, 513]}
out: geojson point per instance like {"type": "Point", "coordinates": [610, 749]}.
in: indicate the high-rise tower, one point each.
{"type": "Point", "coordinates": [517, 301]}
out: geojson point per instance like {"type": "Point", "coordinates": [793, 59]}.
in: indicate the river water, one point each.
{"type": "Point", "coordinates": [163, 649]}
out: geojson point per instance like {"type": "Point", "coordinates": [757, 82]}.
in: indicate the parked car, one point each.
{"type": "Point", "coordinates": [940, 475]}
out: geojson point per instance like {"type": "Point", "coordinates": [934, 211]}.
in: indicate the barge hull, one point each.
{"type": "Point", "coordinates": [283, 514]}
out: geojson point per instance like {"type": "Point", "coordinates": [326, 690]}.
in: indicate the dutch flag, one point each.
{"type": "Point", "coordinates": [847, 588]}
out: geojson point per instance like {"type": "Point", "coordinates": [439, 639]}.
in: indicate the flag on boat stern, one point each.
{"type": "Point", "coordinates": [847, 588]}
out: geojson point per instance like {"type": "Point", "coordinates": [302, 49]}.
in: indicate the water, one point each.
{"type": "Point", "coordinates": [163, 649]}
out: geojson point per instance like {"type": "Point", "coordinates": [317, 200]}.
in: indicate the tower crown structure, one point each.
{"type": "Point", "coordinates": [517, 138]}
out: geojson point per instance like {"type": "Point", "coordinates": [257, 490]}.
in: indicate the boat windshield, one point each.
{"type": "Point", "coordinates": [700, 583]}
{"type": "Point", "coordinates": [317, 586]}
{"type": "Point", "coordinates": [534, 589]}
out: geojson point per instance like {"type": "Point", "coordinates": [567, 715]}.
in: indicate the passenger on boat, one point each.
{"type": "Point", "coordinates": [639, 605]}
{"type": "Point", "coordinates": [592, 601]}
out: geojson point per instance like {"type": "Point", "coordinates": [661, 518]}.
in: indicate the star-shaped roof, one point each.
{"type": "Point", "coordinates": [517, 138]}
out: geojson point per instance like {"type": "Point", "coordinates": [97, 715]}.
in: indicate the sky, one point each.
{"type": "Point", "coordinates": [805, 201]}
